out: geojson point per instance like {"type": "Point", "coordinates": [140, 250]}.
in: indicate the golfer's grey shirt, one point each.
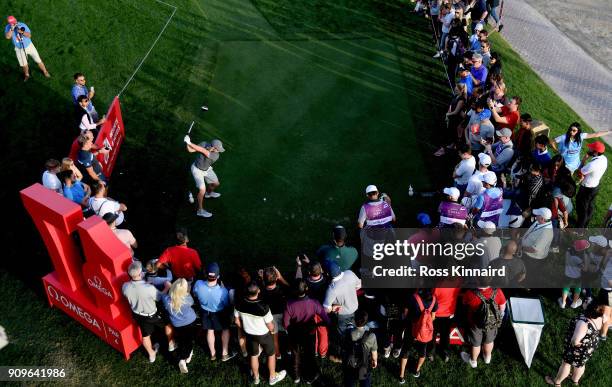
{"type": "Point", "coordinates": [203, 162]}
{"type": "Point", "coordinates": [343, 291]}
{"type": "Point", "coordinates": [142, 297]}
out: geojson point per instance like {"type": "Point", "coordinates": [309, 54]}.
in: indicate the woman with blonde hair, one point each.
{"type": "Point", "coordinates": [178, 303]}
{"type": "Point", "coordinates": [68, 165]}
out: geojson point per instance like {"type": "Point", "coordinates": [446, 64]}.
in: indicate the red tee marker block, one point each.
{"type": "Point", "coordinates": [88, 288]}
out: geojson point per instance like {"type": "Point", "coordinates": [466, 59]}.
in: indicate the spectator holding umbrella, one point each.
{"type": "Point", "coordinates": [178, 303]}
{"type": "Point", "coordinates": [581, 340]}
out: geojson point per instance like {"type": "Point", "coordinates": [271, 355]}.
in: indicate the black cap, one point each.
{"type": "Point", "coordinates": [339, 233]}
{"type": "Point", "coordinates": [110, 217]}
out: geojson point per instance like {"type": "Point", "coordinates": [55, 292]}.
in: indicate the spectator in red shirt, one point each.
{"type": "Point", "coordinates": [447, 303]}
{"type": "Point", "coordinates": [506, 116]}
{"type": "Point", "coordinates": [183, 261]}
{"type": "Point", "coordinates": [477, 334]}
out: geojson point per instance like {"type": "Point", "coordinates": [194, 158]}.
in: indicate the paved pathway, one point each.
{"type": "Point", "coordinates": [581, 81]}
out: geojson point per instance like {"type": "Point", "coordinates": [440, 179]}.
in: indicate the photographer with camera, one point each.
{"type": "Point", "coordinates": [22, 39]}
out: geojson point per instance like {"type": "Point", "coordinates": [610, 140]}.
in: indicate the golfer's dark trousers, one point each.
{"type": "Point", "coordinates": [584, 205]}
{"type": "Point", "coordinates": [302, 341]}
{"type": "Point", "coordinates": [442, 325]}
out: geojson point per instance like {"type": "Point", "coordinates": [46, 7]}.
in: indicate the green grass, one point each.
{"type": "Point", "coordinates": [313, 99]}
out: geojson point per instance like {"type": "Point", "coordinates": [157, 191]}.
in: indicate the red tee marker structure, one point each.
{"type": "Point", "coordinates": [87, 288]}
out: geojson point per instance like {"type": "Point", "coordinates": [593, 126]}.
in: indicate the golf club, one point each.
{"type": "Point", "coordinates": [190, 126]}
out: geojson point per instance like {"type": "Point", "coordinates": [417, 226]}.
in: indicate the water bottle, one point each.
{"type": "Point", "coordinates": [191, 198]}
{"type": "Point", "coordinates": [410, 191]}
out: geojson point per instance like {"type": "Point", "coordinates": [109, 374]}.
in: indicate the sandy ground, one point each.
{"type": "Point", "coordinates": [587, 22]}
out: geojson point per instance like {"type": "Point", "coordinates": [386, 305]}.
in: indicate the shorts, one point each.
{"type": "Point", "coordinates": [31, 51]}
{"type": "Point", "coordinates": [604, 297]}
{"type": "Point", "coordinates": [265, 341]}
{"type": "Point", "coordinates": [216, 321]}
{"type": "Point", "coordinates": [148, 324]}
{"type": "Point", "coordinates": [278, 323]}
{"type": "Point", "coordinates": [478, 336]}
{"type": "Point", "coordinates": [203, 177]}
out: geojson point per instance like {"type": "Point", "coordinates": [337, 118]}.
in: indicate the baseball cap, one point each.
{"type": "Point", "coordinates": [543, 212]}
{"type": "Point", "coordinates": [488, 226]}
{"type": "Point", "coordinates": [597, 146]}
{"type": "Point", "coordinates": [581, 244]}
{"type": "Point", "coordinates": [484, 115]}
{"type": "Point", "coordinates": [423, 219]}
{"type": "Point", "coordinates": [334, 269]}
{"type": "Point", "coordinates": [218, 144]}
{"type": "Point", "coordinates": [489, 178]}
{"type": "Point", "coordinates": [213, 270]}
{"type": "Point", "coordinates": [11, 19]}
{"type": "Point", "coordinates": [452, 192]}
{"type": "Point", "coordinates": [339, 233]}
{"type": "Point", "coordinates": [371, 188]}
{"type": "Point", "coordinates": [484, 159]}
{"type": "Point", "coordinates": [110, 217]}
{"type": "Point", "coordinates": [599, 240]}
{"type": "Point", "coordinates": [505, 132]}
{"type": "Point", "coordinates": [479, 27]}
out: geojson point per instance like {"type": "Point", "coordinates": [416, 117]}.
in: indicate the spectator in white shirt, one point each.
{"type": "Point", "coordinates": [465, 169]}
{"type": "Point", "coordinates": [86, 120]}
{"type": "Point", "coordinates": [589, 176]}
{"type": "Point", "coordinates": [49, 177]}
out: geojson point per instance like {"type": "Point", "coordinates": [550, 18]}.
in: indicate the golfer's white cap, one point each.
{"type": "Point", "coordinates": [452, 192]}
{"type": "Point", "coordinates": [489, 178]}
{"type": "Point", "coordinates": [371, 188]}
{"type": "Point", "coordinates": [488, 226]}
{"type": "Point", "coordinates": [543, 212]}
{"type": "Point", "coordinates": [484, 159]}
{"type": "Point", "coordinates": [599, 240]}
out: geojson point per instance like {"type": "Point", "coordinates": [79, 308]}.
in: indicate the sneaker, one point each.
{"type": "Point", "coordinates": [576, 304]}
{"type": "Point", "coordinates": [279, 357]}
{"type": "Point", "coordinates": [47, 75]}
{"type": "Point", "coordinates": [387, 352]}
{"type": "Point", "coordinates": [203, 214]}
{"type": "Point", "coordinates": [26, 77]}
{"type": "Point", "coordinates": [416, 374]}
{"type": "Point", "coordinates": [402, 381]}
{"type": "Point", "coordinates": [561, 303]}
{"type": "Point", "coordinates": [438, 54]}
{"type": "Point", "coordinates": [155, 350]}
{"type": "Point", "coordinates": [555, 249]}
{"type": "Point", "coordinates": [256, 381]}
{"type": "Point", "coordinates": [501, 26]}
{"type": "Point", "coordinates": [212, 195]}
{"type": "Point", "coordinates": [172, 346]}
{"type": "Point", "coordinates": [430, 357]}
{"type": "Point", "coordinates": [204, 107]}
{"type": "Point", "coordinates": [396, 353]}
{"type": "Point", "coordinates": [297, 380]}
{"type": "Point", "coordinates": [446, 358]}
{"type": "Point", "coordinates": [603, 338]}
{"type": "Point", "coordinates": [466, 358]}
{"type": "Point", "coordinates": [183, 366]}
{"type": "Point", "coordinates": [245, 354]}
{"type": "Point", "coordinates": [278, 377]}
{"type": "Point", "coordinates": [227, 357]}
{"type": "Point", "coordinates": [487, 360]}
{"type": "Point", "coordinates": [188, 360]}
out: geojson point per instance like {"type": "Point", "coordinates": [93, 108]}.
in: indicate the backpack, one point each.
{"type": "Point", "coordinates": [422, 329]}
{"type": "Point", "coordinates": [357, 355]}
{"type": "Point", "coordinates": [455, 46]}
{"type": "Point", "coordinates": [488, 316]}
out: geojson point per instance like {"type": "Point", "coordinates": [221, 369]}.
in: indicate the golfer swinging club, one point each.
{"type": "Point", "coordinates": [205, 178]}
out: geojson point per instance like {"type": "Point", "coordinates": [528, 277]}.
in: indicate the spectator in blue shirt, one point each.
{"type": "Point", "coordinates": [73, 189]}
{"type": "Point", "coordinates": [466, 78]}
{"type": "Point", "coordinates": [540, 153]}
{"type": "Point", "coordinates": [178, 303]}
{"type": "Point", "coordinates": [478, 71]}
{"type": "Point", "coordinates": [79, 89]}
{"type": "Point", "coordinates": [216, 315]}
{"type": "Point", "coordinates": [21, 37]}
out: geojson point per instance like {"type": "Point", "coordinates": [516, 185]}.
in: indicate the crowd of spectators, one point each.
{"type": "Point", "coordinates": [321, 310]}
